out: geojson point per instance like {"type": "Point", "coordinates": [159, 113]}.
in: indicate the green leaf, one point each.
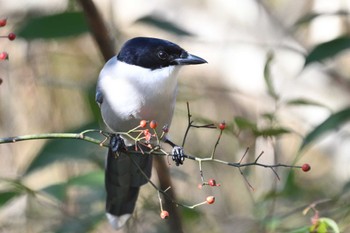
{"type": "Point", "coordinates": [267, 76]}
{"type": "Point", "coordinates": [54, 26]}
{"type": "Point", "coordinates": [60, 150]}
{"type": "Point", "coordinates": [270, 132]}
{"type": "Point", "coordinates": [302, 101]}
{"type": "Point", "coordinates": [332, 122]}
{"type": "Point", "coordinates": [328, 49]}
{"type": "Point", "coordinates": [92, 179]}
{"type": "Point", "coordinates": [191, 215]}
{"type": "Point", "coordinates": [164, 25]}
{"type": "Point", "coordinates": [244, 123]}
{"type": "Point", "coordinates": [57, 191]}
{"type": "Point", "coordinates": [321, 227]}
{"type": "Point", "coordinates": [330, 223]}
{"type": "Point", "coordinates": [6, 196]}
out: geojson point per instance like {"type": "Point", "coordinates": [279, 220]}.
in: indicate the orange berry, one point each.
{"type": "Point", "coordinates": [143, 123]}
{"type": "Point", "coordinates": [210, 199]}
{"type": "Point", "coordinates": [306, 167]}
{"type": "Point", "coordinates": [164, 214]}
{"type": "Point", "coordinates": [153, 124]}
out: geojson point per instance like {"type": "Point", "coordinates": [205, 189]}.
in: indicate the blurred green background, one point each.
{"type": "Point", "coordinates": [278, 75]}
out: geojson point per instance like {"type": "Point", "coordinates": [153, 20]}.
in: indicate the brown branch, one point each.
{"type": "Point", "coordinates": [98, 29]}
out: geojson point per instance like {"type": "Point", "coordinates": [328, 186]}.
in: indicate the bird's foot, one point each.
{"type": "Point", "coordinates": [178, 155]}
{"type": "Point", "coordinates": [116, 144]}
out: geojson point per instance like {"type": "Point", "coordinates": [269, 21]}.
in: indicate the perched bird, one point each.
{"type": "Point", "coordinates": [138, 84]}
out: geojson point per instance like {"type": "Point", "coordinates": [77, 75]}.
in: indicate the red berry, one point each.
{"type": "Point", "coordinates": [212, 182]}
{"type": "Point", "coordinates": [210, 199]}
{"type": "Point", "coordinates": [3, 22]}
{"type": "Point", "coordinates": [164, 214]}
{"type": "Point", "coordinates": [306, 167]}
{"type": "Point", "coordinates": [11, 36]}
{"type": "Point", "coordinates": [143, 123]}
{"type": "Point", "coordinates": [153, 124]}
{"type": "Point", "coordinates": [222, 125]}
{"type": "Point", "coordinates": [4, 56]}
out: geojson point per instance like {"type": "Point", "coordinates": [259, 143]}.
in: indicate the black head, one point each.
{"type": "Point", "coordinates": [155, 53]}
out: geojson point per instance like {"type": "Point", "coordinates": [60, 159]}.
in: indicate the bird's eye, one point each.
{"type": "Point", "coordinates": [162, 55]}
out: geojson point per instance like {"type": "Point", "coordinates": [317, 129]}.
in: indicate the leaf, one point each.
{"type": "Point", "coordinates": [267, 76]}
{"type": "Point", "coordinates": [244, 123]}
{"type": "Point", "coordinates": [321, 227]}
{"type": "Point", "coordinates": [327, 50]}
{"type": "Point", "coordinates": [164, 25]}
{"type": "Point", "coordinates": [302, 101]}
{"type": "Point", "coordinates": [270, 132]}
{"type": "Point", "coordinates": [310, 16]}
{"type": "Point", "coordinates": [330, 223]}
{"type": "Point", "coordinates": [60, 150]}
{"type": "Point", "coordinates": [54, 26]}
{"type": "Point", "coordinates": [332, 122]}
{"type": "Point", "coordinates": [57, 191]}
{"type": "Point", "coordinates": [93, 179]}
{"type": "Point", "coordinates": [5, 196]}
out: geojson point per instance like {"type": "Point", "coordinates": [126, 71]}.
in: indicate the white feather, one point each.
{"type": "Point", "coordinates": [132, 93]}
{"type": "Point", "coordinates": [118, 222]}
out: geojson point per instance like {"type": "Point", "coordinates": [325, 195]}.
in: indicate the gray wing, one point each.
{"type": "Point", "coordinates": [99, 97]}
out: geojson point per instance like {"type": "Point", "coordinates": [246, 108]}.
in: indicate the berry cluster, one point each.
{"type": "Point", "coordinates": [146, 131]}
{"type": "Point", "coordinates": [11, 36]}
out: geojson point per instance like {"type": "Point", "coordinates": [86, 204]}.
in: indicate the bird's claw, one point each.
{"type": "Point", "coordinates": [178, 155]}
{"type": "Point", "coordinates": [116, 143]}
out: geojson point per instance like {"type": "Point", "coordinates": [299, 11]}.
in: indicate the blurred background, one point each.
{"type": "Point", "coordinates": [278, 74]}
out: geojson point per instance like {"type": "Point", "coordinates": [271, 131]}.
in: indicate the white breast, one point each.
{"type": "Point", "coordinates": [132, 93]}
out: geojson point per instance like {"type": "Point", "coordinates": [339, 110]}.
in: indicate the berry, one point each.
{"type": "Point", "coordinates": [210, 199]}
{"type": "Point", "coordinates": [4, 56]}
{"type": "Point", "coordinates": [11, 36]}
{"type": "Point", "coordinates": [212, 182]}
{"type": "Point", "coordinates": [166, 128]}
{"type": "Point", "coordinates": [164, 214]}
{"type": "Point", "coordinates": [147, 134]}
{"type": "Point", "coordinates": [143, 123]}
{"type": "Point", "coordinates": [222, 125]}
{"type": "Point", "coordinates": [3, 22]}
{"type": "Point", "coordinates": [306, 167]}
{"type": "Point", "coordinates": [153, 124]}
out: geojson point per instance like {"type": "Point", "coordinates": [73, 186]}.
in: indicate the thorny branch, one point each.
{"type": "Point", "coordinates": [144, 137]}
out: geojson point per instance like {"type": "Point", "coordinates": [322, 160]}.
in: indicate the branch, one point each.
{"type": "Point", "coordinates": [98, 29]}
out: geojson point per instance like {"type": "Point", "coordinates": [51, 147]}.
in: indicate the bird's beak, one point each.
{"type": "Point", "coordinates": [189, 59]}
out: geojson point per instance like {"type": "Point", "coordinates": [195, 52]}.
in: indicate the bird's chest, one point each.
{"type": "Point", "coordinates": [128, 101]}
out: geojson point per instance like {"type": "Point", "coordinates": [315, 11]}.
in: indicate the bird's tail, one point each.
{"type": "Point", "coordinates": [122, 181]}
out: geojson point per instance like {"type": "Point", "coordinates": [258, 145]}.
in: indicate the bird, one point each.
{"type": "Point", "coordinates": [139, 83]}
